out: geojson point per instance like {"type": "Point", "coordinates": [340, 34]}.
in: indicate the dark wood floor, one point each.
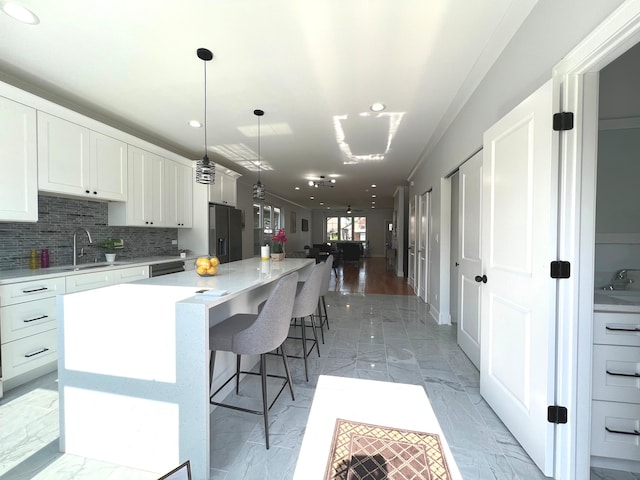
{"type": "Point", "coordinates": [370, 275]}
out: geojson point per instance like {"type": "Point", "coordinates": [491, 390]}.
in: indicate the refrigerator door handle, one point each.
{"type": "Point", "coordinates": [222, 246]}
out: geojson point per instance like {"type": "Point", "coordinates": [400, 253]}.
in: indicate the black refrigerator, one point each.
{"type": "Point", "coordinates": [225, 233]}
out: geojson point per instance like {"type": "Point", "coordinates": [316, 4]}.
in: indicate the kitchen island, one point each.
{"type": "Point", "coordinates": [134, 359]}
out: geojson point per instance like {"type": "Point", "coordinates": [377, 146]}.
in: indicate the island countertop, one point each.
{"type": "Point", "coordinates": [138, 353]}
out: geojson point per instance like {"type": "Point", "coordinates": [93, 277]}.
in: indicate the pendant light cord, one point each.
{"type": "Point", "coordinates": [205, 110]}
{"type": "Point", "coordinates": [259, 158]}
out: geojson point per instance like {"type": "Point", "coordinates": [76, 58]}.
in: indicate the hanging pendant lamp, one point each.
{"type": "Point", "coordinates": [205, 169]}
{"type": "Point", "coordinates": [258, 188]}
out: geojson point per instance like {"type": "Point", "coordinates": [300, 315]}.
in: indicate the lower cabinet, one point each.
{"type": "Point", "coordinates": [28, 320]}
{"type": "Point", "coordinates": [615, 407]}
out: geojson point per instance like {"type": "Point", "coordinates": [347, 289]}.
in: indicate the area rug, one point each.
{"type": "Point", "coordinates": [360, 451]}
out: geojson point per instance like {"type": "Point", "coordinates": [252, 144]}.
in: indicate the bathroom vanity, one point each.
{"type": "Point", "coordinates": [615, 414]}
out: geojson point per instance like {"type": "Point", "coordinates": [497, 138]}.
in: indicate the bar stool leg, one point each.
{"type": "Point", "coordinates": [212, 362]}
{"type": "Point", "coordinates": [315, 334]}
{"type": "Point", "coordinates": [326, 316]}
{"type": "Point", "coordinates": [237, 374]}
{"type": "Point", "coordinates": [321, 321]}
{"type": "Point", "coordinates": [283, 350]}
{"type": "Point", "coordinates": [265, 407]}
{"type": "Point", "coordinates": [304, 348]}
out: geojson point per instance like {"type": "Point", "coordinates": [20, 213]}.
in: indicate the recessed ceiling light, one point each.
{"type": "Point", "coordinates": [377, 107]}
{"type": "Point", "coordinates": [195, 124]}
{"type": "Point", "coordinates": [312, 198]}
{"type": "Point", "coordinates": [19, 13]}
{"type": "Point", "coordinates": [321, 203]}
{"type": "Point", "coordinates": [373, 185]}
{"type": "Point", "coordinates": [297, 188]}
{"type": "Point", "coordinates": [373, 196]}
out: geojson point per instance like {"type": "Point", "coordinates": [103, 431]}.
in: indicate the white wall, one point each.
{"type": "Point", "coordinates": [552, 29]}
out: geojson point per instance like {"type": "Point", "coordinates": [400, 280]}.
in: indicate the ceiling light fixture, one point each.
{"type": "Point", "coordinates": [348, 208]}
{"type": "Point", "coordinates": [19, 13]}
{"type": "Point", "coordinates": [259, 191]}
{"type": "Point", "coordinates": [205, 169]}
{"type": "Point", "coordinates": [322, 182]}
{"type": "Point", "coordinates": [377, 107]}
{"type": "Point", "coordinates": [195, 124]}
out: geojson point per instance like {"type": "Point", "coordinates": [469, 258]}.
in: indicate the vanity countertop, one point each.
{"type": "Point", "coordinates": [617, 300]}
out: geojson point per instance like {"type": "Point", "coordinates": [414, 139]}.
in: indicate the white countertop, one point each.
{"type": "Point", "coordinates": [617, 300]}
{"type": "Point", "coordinates": [20, 275]}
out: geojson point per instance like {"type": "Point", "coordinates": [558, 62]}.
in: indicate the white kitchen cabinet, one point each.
{"type": "Point", "coordinates": [224, 189]}
{"type": "Point", "coordinates": [146, 186]}
{"type": "Point", "coordinates": [105, 278]}
{"type": "Point", "coordinates": [18, 163]}
{"type": "Point", "coordinates": [89, 281]}
{"type": "Point", "coordinates": [28, 328]}
{"type": "Point", "coordinates": [73, 160]}
{"type": "Point", "coordinates": [615, 388]}
{"type": "Point", "coordinates": [179, 195]}
{"type": "Point", "coordinates": [130, 274]}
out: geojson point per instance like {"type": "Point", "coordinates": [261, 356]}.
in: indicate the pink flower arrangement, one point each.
{"type": "Point", "coordinates": [277, 241]}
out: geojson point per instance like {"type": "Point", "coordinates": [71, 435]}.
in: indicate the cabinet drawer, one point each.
{"type": "Point", "coordinates": [616, 328]}
{"type": "Point", "coordinates": [88, 281]}
{"type": "Point", "coordinates": [32, 290]}
{"type": "Point", "coordinates": [21, 356]}
{"type": "Point", "coordinates": [125, 275]}
{"type": "Point", "coordinates": [615, 430]}
{"type": "Point", "coordinates": [616, 373]}
{"type": "Point", "coordinates": [24, 319]}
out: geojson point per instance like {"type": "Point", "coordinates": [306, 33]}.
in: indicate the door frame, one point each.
{"type": "Point", "coordinates": [576, 90]}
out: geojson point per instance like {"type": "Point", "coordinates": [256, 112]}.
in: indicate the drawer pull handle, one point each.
{"type": "Point", "coordinates": [619, 329]}
{"type": "Point", "coordinates": [622, 432]}
{"type": "Point", "coordinates": [33, 290]}
{"type": "Point", "coordinates": [28, 355]}
{"type": "Point", "coordinates": [618, 374]}
{"type": "Point", "coordinates": [35, 318]}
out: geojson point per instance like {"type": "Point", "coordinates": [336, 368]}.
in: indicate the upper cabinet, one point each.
{"type": "Point", "coordinates": [73, 160]}
{"type": "Point", "coordinates": [18, 162]}
{"type": "Point", "coordinates": [224, 189]}
{"type": "Point", "coordinates": [145, 205]}
{"type": "Point", "coordinates": [179, 195]}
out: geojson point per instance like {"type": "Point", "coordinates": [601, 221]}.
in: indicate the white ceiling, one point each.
{"type": "Point", "coordinates": [309, 64]}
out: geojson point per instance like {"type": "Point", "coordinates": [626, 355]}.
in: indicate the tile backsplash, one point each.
{"type": "Point", "coordinates": [57, 220]}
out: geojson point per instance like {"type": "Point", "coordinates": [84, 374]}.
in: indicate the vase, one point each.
{"type": "Point", "coordinates": [277, 257]}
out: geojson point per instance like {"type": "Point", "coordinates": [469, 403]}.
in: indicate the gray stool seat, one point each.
{"type": "Point", "coordinates": [256, 334]}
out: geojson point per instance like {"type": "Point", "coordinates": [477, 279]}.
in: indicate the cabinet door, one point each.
{"type": "Point", "coordinates": [179, 191]}
{"type": "Point", "coordinates": [108, 167]}
{"type": "Point", "coordinates": [146, 178]}
{"type": "Point", "coordinates": [18, 162]}
{"type": "Point", "coordinates": [228, 184]}
{"type": "Point", "coordinates": [215, 190]}
{"type": "Point", "coordinates": [88, 281]}
{"type": "Point", "coordinates": [63, 157]}
{"type": "Point", "coordinates": [131, 274]}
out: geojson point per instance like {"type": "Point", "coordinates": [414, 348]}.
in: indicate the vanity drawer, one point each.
{"type": "Point", "coordinates": [616, 328]}
{"type": "Point", "coordinates": [616, 373]}
{"type": "Point", "coordinates": [615, 430]}
{"type": "Point", "coordinates": [13, 293]}
{"type": "Point", "coordinates": [26, 354]}
{"type": "Point", "coordinates": [25, 319]}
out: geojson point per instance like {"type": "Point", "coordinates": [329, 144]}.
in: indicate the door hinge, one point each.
{"type": "Point", "coordinates": [560, 269]}
{"type": "Point", "coordinates": [556, 414]}
{"type": "Point", "coordinates": [563, 121]}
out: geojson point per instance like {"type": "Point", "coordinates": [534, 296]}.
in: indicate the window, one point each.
{"type": "Point", "coordinates": [265, 229]}
{"type": "Point", "coordinates": [346, 228]}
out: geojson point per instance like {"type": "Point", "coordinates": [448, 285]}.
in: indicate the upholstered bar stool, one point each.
{"type": "Point", "coordinates": [322, 305]}
{"type": "Point", "coordinates": [257, 334]}
{"type": "Point", "coordinates": [305, 306]}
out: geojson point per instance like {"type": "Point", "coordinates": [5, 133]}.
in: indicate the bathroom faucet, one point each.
{"type": "Point", "coordinates": [621, 280]}
{"type": "Point", "coordinates": [75, 248]}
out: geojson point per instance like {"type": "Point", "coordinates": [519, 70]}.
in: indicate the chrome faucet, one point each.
{"type": "Point", "coordinates": [75, 248]}
{"type": "Point", "coordinates": [621, 280]}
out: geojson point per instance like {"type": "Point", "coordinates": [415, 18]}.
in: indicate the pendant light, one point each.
{"type": "Point", "coordinates": [258, 188]}
{"type": "Point", "coordinates": [205, 169]}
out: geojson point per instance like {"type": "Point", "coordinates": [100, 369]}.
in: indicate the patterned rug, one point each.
{"type": "Point", "coordinates": [360, 451]}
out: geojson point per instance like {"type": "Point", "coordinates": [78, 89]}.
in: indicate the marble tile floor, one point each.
{"type": "Point", "coordinates": [381, 337]}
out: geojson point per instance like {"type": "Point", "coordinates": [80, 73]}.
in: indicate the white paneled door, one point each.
{"type": "Point", "coordinates": [518, 301]}
{"type": "Point", "coordinates": [470, 255]}
{"type": "Point", "coordinates": [423, 252]}
{"type": "Point", "coordinates": [412, 244]}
